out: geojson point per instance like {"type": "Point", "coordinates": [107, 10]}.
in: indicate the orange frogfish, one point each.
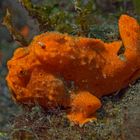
{"type": "Point", "coordinates": [74, 72]}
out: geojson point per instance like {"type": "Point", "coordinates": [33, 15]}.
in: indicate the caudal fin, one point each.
{"type": "Point", "coordinates": [130, 32]}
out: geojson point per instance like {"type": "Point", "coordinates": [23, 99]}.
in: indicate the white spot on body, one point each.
{"type": "Point", "coordinates": [60, 61]}
{"type": "Point", "coordinates": [83, 63]}
{"type": "Point", "coordinates": [42, 44]}
{"type": "Point", "coordinates": [72, 57]}
{"type": "Point", "coordinates": [104, 75]}
{"type": "Point", "coordinates": [84, 81]}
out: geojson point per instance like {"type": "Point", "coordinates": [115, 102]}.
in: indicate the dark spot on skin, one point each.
{"type": "Point", "coordinates": [43, 46]}
{"type": "Point", "coordinates": [89, 106]}
{"type": "Point", "coordinates": [40, 74]}
{"type": "Point", "coordinates": [22, 73]}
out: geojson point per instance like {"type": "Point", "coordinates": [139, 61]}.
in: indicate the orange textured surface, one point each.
{"type": "Point", "coordinates": [61, 70]}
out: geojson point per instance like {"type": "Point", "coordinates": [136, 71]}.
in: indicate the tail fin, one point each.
{"type": "Point", "coordinates": [130, 32]}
